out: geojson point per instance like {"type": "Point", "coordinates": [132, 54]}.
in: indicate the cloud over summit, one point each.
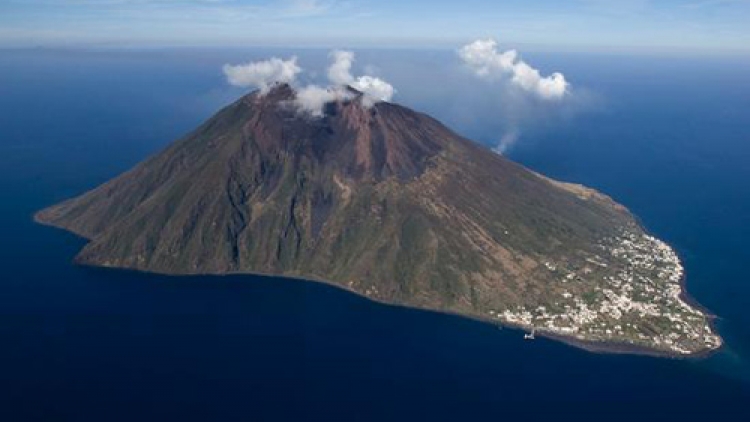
{"type": "Point", "coordinates": [311, 98]}
{"type": "Point", "coordinates": [339, 74]}
{"type": "Point", "coordinates": [518, 105]}
{"type": "Point", "coordinates": [262, 74]}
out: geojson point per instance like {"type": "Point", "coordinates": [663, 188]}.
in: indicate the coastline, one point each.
{"type": "Point", "coordinates": [686, 297]}
{"type": "Point", "coordinates": [591, 346]}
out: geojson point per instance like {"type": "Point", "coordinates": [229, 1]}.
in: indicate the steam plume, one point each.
{"type": "Point", "coordinates": [263, 74]}
{"type": "Point", "coordinates": [313, 98]}
{"type": "Point", "coordinates": [509, 138]}
{"type": "Point", "coordinates": [339, 73]}
{"type": "Point", "coordinates": [485, 60]}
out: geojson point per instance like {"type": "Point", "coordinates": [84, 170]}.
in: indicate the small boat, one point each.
{"type": "Point", "coordinates": [529, 336]}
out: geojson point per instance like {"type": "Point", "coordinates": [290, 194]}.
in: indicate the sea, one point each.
{"type": "Point", "coordinates": [667, 135]}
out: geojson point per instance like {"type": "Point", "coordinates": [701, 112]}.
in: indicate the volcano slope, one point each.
{"type": "Point", "coordinates": [389, 203]}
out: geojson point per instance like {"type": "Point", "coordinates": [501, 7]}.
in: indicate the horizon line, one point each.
{"type": "Point", "coordinates": [371, 45]}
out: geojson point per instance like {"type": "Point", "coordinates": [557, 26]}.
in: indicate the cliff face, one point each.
{"type": "Point", "coordinates": [382, 200]}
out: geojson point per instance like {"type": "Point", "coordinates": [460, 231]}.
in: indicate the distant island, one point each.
{"type": "Point", "coordinates": [389, 203]}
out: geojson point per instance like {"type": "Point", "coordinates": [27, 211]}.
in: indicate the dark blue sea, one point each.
{"type": "Point", "coordinates": [668, 136]}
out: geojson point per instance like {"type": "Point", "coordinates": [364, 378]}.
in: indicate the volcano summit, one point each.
{"type": "Point", "coordinates": [389, 203]}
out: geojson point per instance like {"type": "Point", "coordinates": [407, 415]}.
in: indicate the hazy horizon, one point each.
{"type": "Point", "coordinates": [713, 26]}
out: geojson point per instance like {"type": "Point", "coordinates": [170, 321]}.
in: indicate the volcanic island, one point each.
{"type": "Point", "coordinates": [389, 203]}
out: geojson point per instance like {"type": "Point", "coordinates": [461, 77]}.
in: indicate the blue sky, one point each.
{"type": "Point", "coordinates": [702, 25]}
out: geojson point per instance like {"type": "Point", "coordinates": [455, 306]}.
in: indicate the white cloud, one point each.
{"type": "Point", "coordinates": [553, 86]}
{"type": "Point", "coordinates": [374, 88]}
{"type": "Point", "coordinates": [485, 60]}
{"type": "Point", "coordinates": [483, 57]}
{"type": "Point", "coordinates": [313, 98]}
{"type": "Point", "coordinates": [263, 74]}
{"type": "Point", "coordinates": [339, 73]}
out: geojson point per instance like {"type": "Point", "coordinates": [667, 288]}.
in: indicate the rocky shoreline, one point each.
{"type": "Point", "coordinates": [591, 345]}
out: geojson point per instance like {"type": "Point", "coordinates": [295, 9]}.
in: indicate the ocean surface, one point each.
{"type": "Point", "coordinates": [668, 136]}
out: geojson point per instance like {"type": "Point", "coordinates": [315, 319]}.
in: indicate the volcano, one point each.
{"type": "Point", "coordinates": [389, 203]}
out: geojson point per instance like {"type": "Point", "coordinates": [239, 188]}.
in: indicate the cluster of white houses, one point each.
{"type": "Point", "coordinates": [639, 304]}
